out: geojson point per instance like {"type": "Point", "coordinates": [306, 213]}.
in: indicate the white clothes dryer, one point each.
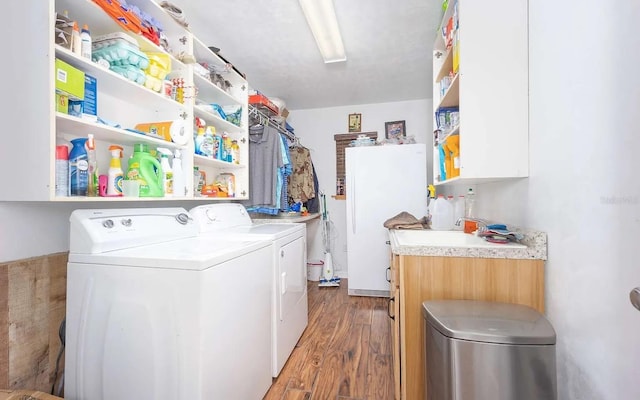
{"type": "Point", "coordinates": [156, 312]}
{"type": "Point", "coordinates": [289, 307]}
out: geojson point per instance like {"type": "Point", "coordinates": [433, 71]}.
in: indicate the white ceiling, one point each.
{"type": "Point", "coordinates": [388, 45]}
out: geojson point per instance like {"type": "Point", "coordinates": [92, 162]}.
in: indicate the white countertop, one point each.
{"type": "Point", "coordinates": [535, 241]}
{"type": "Point", "coordinates": [265, 218]}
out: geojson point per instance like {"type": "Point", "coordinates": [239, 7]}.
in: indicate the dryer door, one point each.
{"type": "Point", "coordinates": [292, 275]}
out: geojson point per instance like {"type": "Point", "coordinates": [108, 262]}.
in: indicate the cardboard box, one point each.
{"type": "Point", "coordinates": [69, 80]}
{"type": "Point", "coordinates": [90, 105]}
{"type": "Point", "coordinates": [62, 103]}
{"type": "Point", "coordinates": [26, 395]}
{"type": "Point", "coordinates": [63, 29]}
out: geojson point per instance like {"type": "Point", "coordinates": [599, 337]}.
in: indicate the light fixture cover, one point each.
{"type": "Point", "coordinates": [321, 17]}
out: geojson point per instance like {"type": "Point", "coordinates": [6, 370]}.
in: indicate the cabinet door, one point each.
{"type": "Point", "coordinates": [395, 323]}
{"type": "Point", "coordinates": [456, 278]}
{"type": "Point", "coordinates": [292, 275]}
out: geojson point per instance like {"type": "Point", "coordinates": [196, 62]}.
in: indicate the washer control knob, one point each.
{"type": "Point", "coordinates": [211, 215]}
{"type": "Point", "coordinates": [108, 223]}
{"type": "Point", "coordinates": [183, 218]}
{"type": "Point", "coordinates": [126, 222]}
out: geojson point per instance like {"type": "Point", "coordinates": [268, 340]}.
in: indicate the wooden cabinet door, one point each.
{"type": "Point", "coordinates": [395, 321]}
{"type": "Point", "coordinates": [456, 278]}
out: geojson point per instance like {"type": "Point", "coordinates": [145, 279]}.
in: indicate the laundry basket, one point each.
{"type": "Point", "coordinates": [314, 270]}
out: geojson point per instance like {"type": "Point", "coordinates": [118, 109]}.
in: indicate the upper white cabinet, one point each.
{"type": "Point", "coordinates": [485, 73]}
{"type": "Point", "coordinates": [33, 126]}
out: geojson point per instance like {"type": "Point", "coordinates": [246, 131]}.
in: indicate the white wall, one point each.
{"type": "Point", "coordinates": [31, 229]}
{"type": "Point", "coordinates": [316, 128]}
{"type": "Point", "coordinates": [584, 189]}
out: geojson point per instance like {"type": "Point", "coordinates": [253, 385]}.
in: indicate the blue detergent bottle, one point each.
{"type": "Point", "coordinates": [78, 168]}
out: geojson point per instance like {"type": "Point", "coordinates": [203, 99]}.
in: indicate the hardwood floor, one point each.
{"type": "Point", "coordinates": [345, 352]}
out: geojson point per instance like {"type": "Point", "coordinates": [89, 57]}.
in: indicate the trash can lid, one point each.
{"type": "Point", "coordinates": [489, 322]}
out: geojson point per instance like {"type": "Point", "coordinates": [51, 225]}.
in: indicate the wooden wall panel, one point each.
{"type": "Point", "coordinates": [35, 305]}
{"type": "Point", "coordinates": [4, 324]}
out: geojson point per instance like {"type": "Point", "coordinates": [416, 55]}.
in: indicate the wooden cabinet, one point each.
{"type": "Point", "coordinates": [33, 126]}
{"type": "Point", "coordinates": [483, 72]}
{"type": "Point", "coordinates": [416, 279]}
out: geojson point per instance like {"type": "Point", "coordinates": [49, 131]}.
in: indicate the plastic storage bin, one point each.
{"type": "Point", "coordinates": [487, 350]}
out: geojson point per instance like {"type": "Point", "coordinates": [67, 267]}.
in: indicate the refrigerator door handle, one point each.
{"type": "Point", "coordinates": [353, 205]}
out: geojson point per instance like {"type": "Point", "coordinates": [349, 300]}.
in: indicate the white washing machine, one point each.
{"type": "Point", "coordinates": [289, 268]}
{"type": "Point", "coordinates": [156, 312]}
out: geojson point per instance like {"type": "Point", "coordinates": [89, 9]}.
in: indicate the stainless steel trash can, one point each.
{"type": "Point", "coordinates": [488, 351]}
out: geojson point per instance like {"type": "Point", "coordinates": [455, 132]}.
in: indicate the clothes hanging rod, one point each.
{"type": "Point", "coordinates": [265, 119]}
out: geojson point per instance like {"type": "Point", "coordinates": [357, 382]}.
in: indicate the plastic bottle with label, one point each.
{"type": "Point", "coordinates": [470, 211]}
{"type": "Point", "coordinates": [114, 175]}
{"type": "Point", "coordinates": [92, 184]}
{"type": "Point", "coordinates": [167, 171]}
{"type": "Point", "coordinates": [76, 40]}
{"type": "Point", "coordinates": [442, 218]}
{"type": "Point", "coordinates": [85, 39]}
{"type": "Point", "coordinates": [62, 170]}
{"type": "Point", "coordinates": [78, 168]}
{"type": "Point", "coordinates": [179, 183]}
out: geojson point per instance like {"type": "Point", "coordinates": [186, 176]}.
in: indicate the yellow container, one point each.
{"type": "Point", "coordinates": [159, 65]}
{"type": "Point", "coordinates": [452, 153]}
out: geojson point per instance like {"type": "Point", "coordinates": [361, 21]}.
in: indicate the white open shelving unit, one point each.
{"type": "Point", "coordinates": [490, 88]}
{"type": "Point", "coordinates": [34, 128]}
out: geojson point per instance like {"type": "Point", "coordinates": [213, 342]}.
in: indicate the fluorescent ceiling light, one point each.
{"type": "Point", "coordinates": [321, 17]}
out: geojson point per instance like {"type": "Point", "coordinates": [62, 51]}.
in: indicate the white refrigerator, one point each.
{"type": "Point", "coordinates": [381, 182]}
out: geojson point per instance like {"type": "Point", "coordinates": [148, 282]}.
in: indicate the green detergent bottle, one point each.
{"type": "Point", "coordinates": [144, 168]}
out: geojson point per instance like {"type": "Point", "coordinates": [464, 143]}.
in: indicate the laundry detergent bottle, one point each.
{"type": "Point", "coordinates": [144, 168]}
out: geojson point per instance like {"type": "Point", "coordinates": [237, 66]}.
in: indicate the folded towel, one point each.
{"type": "Point", "coordinates": [404, 220]}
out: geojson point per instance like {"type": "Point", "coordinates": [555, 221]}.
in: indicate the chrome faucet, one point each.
{"type": "Point", "coordinates": [482, 223]}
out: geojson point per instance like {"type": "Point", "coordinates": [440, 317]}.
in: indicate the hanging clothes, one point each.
{"type": "Point", "coordinates": [283, 176]}
{"type": "Point", "coordinates": [313, 205]}
{"type": "Point", "coordinates": [301, 187]}
{"type": "Point", "coordinates": [265, 161]}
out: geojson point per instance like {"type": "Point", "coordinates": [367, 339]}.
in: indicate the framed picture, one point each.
{"type": "Point", "coordinates": [355, 122]}
{"type": "Point", "coordinates": [394, 129]}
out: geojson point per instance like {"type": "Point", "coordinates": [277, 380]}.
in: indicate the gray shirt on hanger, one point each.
{"type": "Point", "coordinates": [264, 163]}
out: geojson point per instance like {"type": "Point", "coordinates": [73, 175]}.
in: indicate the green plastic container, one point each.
{"type": "Point", "coordinates": [144, 168]}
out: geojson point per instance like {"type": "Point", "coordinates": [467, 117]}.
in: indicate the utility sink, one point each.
{"type": "Point", "coordinates": [429, 238]}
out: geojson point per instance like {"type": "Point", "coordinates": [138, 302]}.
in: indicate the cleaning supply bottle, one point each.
{"type": "Point", "coordinates": [62, 170]}
{"type": "Point", "coordinates": [235, 152]}
{"type": "Point", "coordinates": [76, 40]}
{"type": "Point", "coordinates": [78, 168]}
{"type": "Point", "coordinates": [85, 39]}
{"type": "Point", "coordinates": [92, 184]}
{"type": "Point", "coordinates": [470, 211]}
{"type": "Point", "coordinates": [114, 175]}
{"type": "Point", "coordinates": [179, 188]}
{"type": "Point", "coordinates": [431, 201]}
{"type": "Point", "coordinates": [199, 140]}
{"type": "Point", "coordinates": [208, 142]}
{"type": "Point", "coordinates": [167, 171]}
{"type": "Point", "coordinates": [217, 146]}
{"type": "Point", "coordinates": [147, 170]}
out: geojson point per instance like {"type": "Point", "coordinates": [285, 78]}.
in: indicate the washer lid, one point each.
{"type": "Point", "coordinates": [489, 322]}
{"type": "Point", "coordinates": [194, 254]}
